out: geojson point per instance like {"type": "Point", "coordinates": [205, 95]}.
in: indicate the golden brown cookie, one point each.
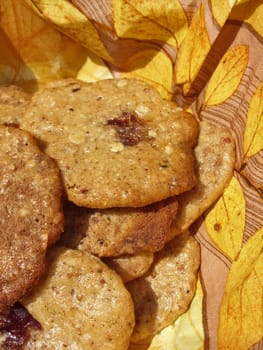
{"type": "Point", "coordinates": [118, 231]}
{"type": "Point", "coordinates": [13, 103]}
{"type": "Point", "coordinates": [116, 142]}
{"type": "Point", "coordinates": [166, 291]}
{"type": "Point", "coordinates": [81, 304]}
{"type": "Point", "coordinates": [215, 158]}
{"type": "Point", "coordinates": [30, 212]}
{"type": "Point", "coordinates": [130, 267]}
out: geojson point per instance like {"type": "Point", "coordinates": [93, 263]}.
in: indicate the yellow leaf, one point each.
{"type": "Point", "coordinates": [10, 62]}
{"type": "Point", "coordinates": [94, 69]}
{"type": "Point", "coordinates": [221, 10]}
{"type": "Point", "coordinates": [153, 66]}
{"type": "Point", "coordinates": [226, 220]}
{"type": "Point", "coordinates": [253, 138]}
{"type": "Point", "coordinates": [45, 53]}
{"type": "Point", "coordinates": [227, 76]}
{"type": "Point", "coordinates": [187, 332]}
{"type": "Point", "coordinates": [150, 20]}
{"type": "Point", "coordinates": [193, 52]}
{"type": "Point", "coordinates": [68, 19]}
{"type": "Point", "coordinates": [241, 314]}
{"type": "Point", "coordinates": [250, 12]}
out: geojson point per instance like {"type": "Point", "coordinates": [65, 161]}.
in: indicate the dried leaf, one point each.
{"type": "Point", "coordinates": [241, 314]}
{"type": "Point", "coordinates": [153, 66]}
{"type": "Point", "coordinates": [187, 332]}
{"type": "Point", "coordinates": [253, 138]}
{"type": "Point", "coordinates": [227, 76]}
{"type": "Point", "coordinates": [68, 19]}
{"type": "Point", "coordinates": [226, 221]}
{"type": "Point", "coordinates": [148, 20]}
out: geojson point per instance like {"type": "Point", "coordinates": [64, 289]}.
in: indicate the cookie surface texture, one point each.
{"type": "Point", "coordinates": [116, 142]}
{"type": "Point", "coordinates": [13, 103]}
{"type": "Point", "coordinates": [81, 304]}
{"type": "Point", "coordinates": [30, 212]}
{"type": "Point", "coordinates": [167, 289]}
{"type": "Point", "coordinates": [118, 231]}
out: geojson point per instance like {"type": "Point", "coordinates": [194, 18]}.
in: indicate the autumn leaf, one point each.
{"type": "Point", "coordinates": [11, 65]}
{"type": "Point", "coordinates": [69, 20]}
{"type": "Point", "coordinates": [221, 10]}
{"type": "Point", "coordinates": [45, 54]}
{"type": "Point", "coordinates": [227, 76]}
{"type": "Point", "coordinates": [253, 138]}
{"type": "Point", "coordinates": [187, 331]}
{"type": "Point", "coordinates": [241, 314]}
{"type": "Point", "coordinates": [153, 66]}
{"type": "Point", "coordinates": [94, 69]}
{"type": "Point", "coordinates": [249, 12]}
{"type": "Point", "coordinates": [168, 15]}
{"type": "Point", "coordinates": [225, 222]}
{"type": "Point", "coordinates": [150, 20]}
{"type": "Point", "coordinates": [193, 52]}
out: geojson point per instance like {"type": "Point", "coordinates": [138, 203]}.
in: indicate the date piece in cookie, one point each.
{"type": "Point", "coordinates": [116, 142]}
{"type": "Point", "coordinates": [167, 289]}
{"type": "Point", "coordinates": [80, 304]}
{"type": "Point", "coordinates": [215, 163]}
{"type": "Point", "coordinates": [118, 231]}
{"type": "Point", "coordinates": [13, 103]}
{"type": "Point", "coordinates": [30, 212]}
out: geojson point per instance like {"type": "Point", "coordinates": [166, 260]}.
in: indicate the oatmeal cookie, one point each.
{"type": "Point", "coordinates": [30, 212]}
{"type": "Point", "coordinates": [215, 160]}
{"type": "Point", "coordinates": [81, 304]}
{"type": "Point", "coordinates": [167, 289]}
{"type": "Point", "coordinates": [118, 231]}
{"type": "Point", "coordinates": [13, 103]}
{"type": "Point", "coordinates": [116, 142]}
{"type": "Point", "coordinates": [130, 267]}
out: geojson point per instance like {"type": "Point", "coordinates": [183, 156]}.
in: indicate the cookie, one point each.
{"type": "Point", "coordinates": [118, 231]}
{"type": "Point", "coordinates": [130, 267]}
{"type": "Point", "coordinates": [80, 304]}
{"type": "Point", "coordinates": [116, 142]}
{"type": "Point", "coordinates": [215, 158]}
{"type": "Point", "coordinates": [13, 103]}
{"type": "Point", "coordinates": [167, 289]}
{"type": "Point", "coordinates": [30, 212]}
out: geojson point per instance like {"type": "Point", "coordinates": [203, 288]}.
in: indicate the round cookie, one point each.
{"type": "Point", "coordinates": [81, 304]}
{"type": "Point", "coordinates": [130, 267]}
{"type": "Point", "coordinates": [13, 103]}
{"type": "Point", "coordinates": [30, 212]}
{"type": "Point", "coordinates": [116, 142]}
{"type": "Point", "coordinates": [215, 162]}
{"type": "Point", "coordinates": [118, 231]}
{"type": "Point", "coordinates": [167, 289]}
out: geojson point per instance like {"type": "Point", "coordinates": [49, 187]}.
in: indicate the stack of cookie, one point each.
{"type": "Point", "coordinates": [136, 172]}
